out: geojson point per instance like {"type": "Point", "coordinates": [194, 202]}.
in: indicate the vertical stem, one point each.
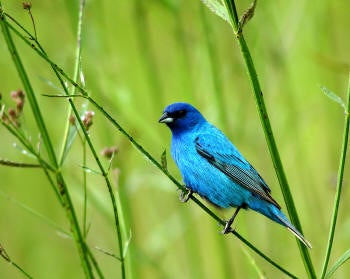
{"type": "Point", "coordinates": [339, 185]}
{"type": "Point", "coordinates": [48, 146]}
{"type": "Point", "coordinates": [265, 121]}
{"type": "Point", "coordinates": [84, 190]}
{"type": "Point", "coordinates": [109, 186]}
{"type": "Point", "coordinates": [77, 68]}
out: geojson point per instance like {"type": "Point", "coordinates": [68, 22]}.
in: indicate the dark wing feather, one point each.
{"type": "Point", "coordinates": [246, 177]}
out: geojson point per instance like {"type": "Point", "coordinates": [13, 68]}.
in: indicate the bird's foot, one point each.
{"type": "Point", "coordinates": [227, 228]}
{"type": "Point", "coordinates": [185, 195]}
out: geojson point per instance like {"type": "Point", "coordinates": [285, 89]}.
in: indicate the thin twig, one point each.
{"type": "Point", "coordinates": [7, 258]}
{"type": "Point", "coordinates": [9, 163]}
{"type": "Point", "coordinates": [39, 120]}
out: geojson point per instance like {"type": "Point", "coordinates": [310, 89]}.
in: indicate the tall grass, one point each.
{"type": "Point", "coordinates": [125, 61]}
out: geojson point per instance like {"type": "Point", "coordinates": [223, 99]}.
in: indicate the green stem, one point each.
{"type": "Point", "coordinates": [181, 187]}
{"type": "Point", "coordinates": [47, 144]}
{"type": "Point", "coordinates": [39, 50]}
{"type": "Point", "coordinates": [5, 256]}
{"type": "Point", "coordinates": [27, 86]}
{"type": "Point", "coordinates": [94, 262]}
{"type": "Point", "coordinates": [46, 167]}
{"type": "Point", "coordinates": [21, 270]}
{"type": "Point", "coordinates": [265, 121]}
{"type": "Point", "coordinates": [58, 72]}
{"type": "Point", "coordinates": [109, 186]}
{"type": "Point", "coordinates": [138, 146]}
{"type": "Point", "coordinates": [9, 163]}
{"type": "Point", "coordinates": [85, 191]}
{"type": "Point", "coordinates": [339, 186]}
{"type": "Point", "coordinates": [77, 67]}
{"type": "Point", "coordinates": [22, 139]}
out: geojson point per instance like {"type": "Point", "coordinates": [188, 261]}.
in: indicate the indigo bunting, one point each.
{"type": "Point", "coordinates": [212, 167]}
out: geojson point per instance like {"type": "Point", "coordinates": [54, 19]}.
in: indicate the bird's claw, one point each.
{"type": "Point", "coordinates": [185, 195]}
{"type": "Point", "coordinates": [227, 228]}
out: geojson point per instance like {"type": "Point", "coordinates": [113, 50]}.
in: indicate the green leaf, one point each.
{"type": "Point", "coordinates": [217, 8]}
{"type": "Point", "coordinates": [334, 97]}
{"type": "Point", "coordinates": [338, 263]}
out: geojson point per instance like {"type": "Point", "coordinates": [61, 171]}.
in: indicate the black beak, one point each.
{"type": "Point", "coordinates": [166, 118]}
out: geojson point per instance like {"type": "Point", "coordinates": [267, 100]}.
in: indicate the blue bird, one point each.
{"type": "Point", "coordinates": [212, 167]}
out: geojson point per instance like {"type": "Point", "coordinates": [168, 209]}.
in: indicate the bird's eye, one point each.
{"type": "Point", "coordinates": [179, 113]}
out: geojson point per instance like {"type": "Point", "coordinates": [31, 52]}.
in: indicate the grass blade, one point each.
{"type": "Point", "coordinates": [338, 263]}
{"type": "Point", "coordinates": [339, 186]}
{"type": "Point", "coordinates": [70, 211]}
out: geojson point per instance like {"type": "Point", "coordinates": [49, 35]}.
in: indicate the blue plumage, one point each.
{"type": "Point", "coordinates": [212, 167]}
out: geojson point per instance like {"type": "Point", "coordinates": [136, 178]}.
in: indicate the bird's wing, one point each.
{"type": "Point", "coordinates": [221, 153]}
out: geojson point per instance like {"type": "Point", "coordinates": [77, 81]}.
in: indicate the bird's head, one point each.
{"type": "Point", "coordinates": [181, 117]}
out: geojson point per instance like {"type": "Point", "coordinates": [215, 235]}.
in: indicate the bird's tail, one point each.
{"type": "Point", "coordinates": [275, 214]}
{"type": "Point", "coordinates": [282, 219]}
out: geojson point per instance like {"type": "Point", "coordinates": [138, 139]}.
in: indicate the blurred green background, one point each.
{"type": "Point", "coordinates": [137, 57]}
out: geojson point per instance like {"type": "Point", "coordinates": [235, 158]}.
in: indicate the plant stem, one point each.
{"type": "Point", "coordinates": [265, 121]}
{"type": "Point", "coordinates": [77, 67]}
{"type": "Point", "coordinates": [339, 185]}
{"type": "Point", "coordinates": [47, 144]}
{"type": "Point", "coordinates": [9, 163]}
{"type": "Point", "coordinates": [59, 72]}
{"type": "Point", "coordinates": [7, 258]}
{"type": "Point", "coordinates": [181, 187]}
{"type": "Point", "coordinates": [109, 186]}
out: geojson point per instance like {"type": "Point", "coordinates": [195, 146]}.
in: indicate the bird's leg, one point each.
{"type": "Point", "coordinates": [185, 195]}
{"type": "Point", "coordinates": [227, 229]}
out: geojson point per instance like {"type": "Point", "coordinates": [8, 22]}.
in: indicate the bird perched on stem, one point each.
{"type": "Point", "coordinates": [212, 167]}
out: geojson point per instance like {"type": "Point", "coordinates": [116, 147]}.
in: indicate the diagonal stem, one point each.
{"type": "Point", "coordinates": [181, 187]}
{"type": "Point", "coordinates": [140, 148]}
